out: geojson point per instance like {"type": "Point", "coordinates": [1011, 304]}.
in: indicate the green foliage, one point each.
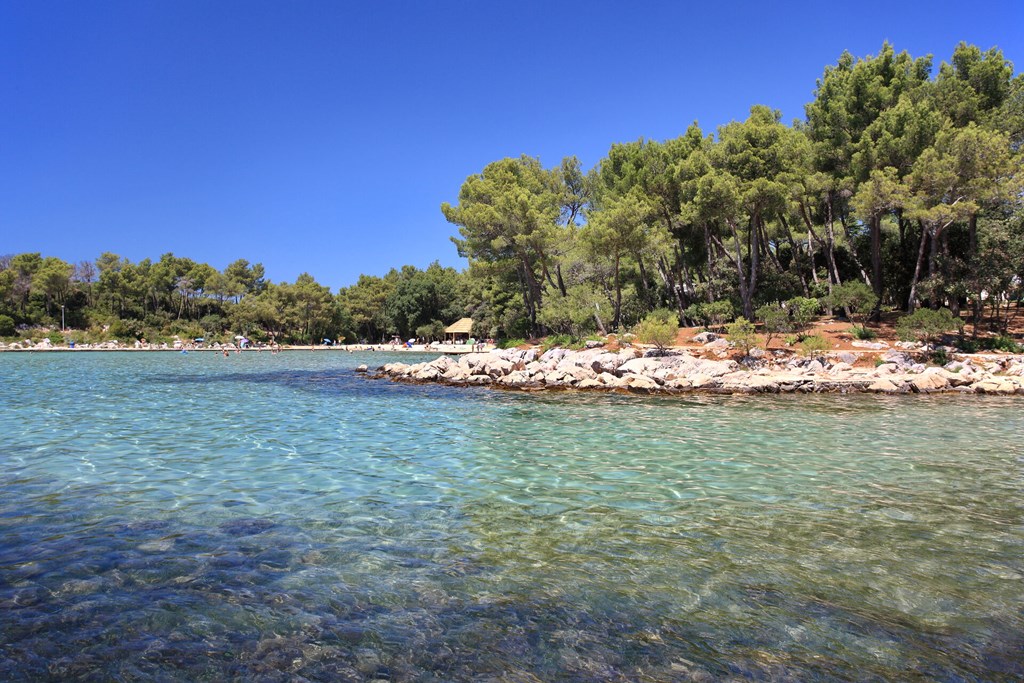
{"type": "Point", "coordinates": [927, 325]}
{"type": "Point", "coordinates": [997, 343]}
{"type": "Point", "coordinates": [561, 341]}
{"type": "Point", "coordinates": [896, 159]}
{"type": "Point", "coordinates": [432, 331]}
{"type": "Point", "coordinates": [741, 334]}
{"type": "Point", "coordinates": [863, 332]}
{"type": "Point", "coordinates": [510, 343]}
{"type": "Point", "coordinates": [792, 316]}
{"type": "Point", "coordinates": [660, 328]}
{"type": "Point", "coordinates": [7, 328]}
{"type": "Point", "coordinates": [802, 311]}
{"type": "Point", "coordinates": [814, 345]}
{"type": "Point", "coordinates": [712, 315]}
{"type": "Point", "coordinates": [573, 314]}
{"type": "Point", "coordinates": [775, 320]}
{"type": "Point", "coordinates": [124, 330]}
{"type": "Point", "coordinates": [855, 296]}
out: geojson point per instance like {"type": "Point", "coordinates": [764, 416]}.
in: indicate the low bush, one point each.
{"type": "Point", "coordinates": [7, 328]}
{"type": "Point", "coordinates": [775, 320]}
{"type": "Point", "coordinates": [711, 315]}
{"type": "Point", "coordinates": [561, 341]}
{"type": "Point", "coordinates": [863, 332]}
{"type": "Point", "coordinates": [741, 334]}
{"type": "Point", "coordinates": [660, 328]}
{"type": "Point", "coordinates": [814, 345]}
{"type": "Point", "coordinates": [1001, 343]}
{"type": "Point", "coordinates": [927, 325]}
{"type": "Point", "coordinates": [511, 343]}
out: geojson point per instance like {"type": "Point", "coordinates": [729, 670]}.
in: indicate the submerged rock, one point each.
{"type": "Point", "coordinates": [245, 527]}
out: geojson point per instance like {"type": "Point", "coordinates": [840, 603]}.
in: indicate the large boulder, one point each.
{"type": "Point", "coordinates": [718, 344]}
{"type": "Point", "coordinates": [470, 360]}
{"type": "Point", "coordinates": [930, 381]}
{"type": "Point", "coordinates": [714, 368]}
{"type": "Point", "coordinates": [554, 355]}
{"type": "Point", "coordinates": [427, 373]}
{"type": "Point", "coordinates": [606, 362]}
{"type": "Point", "coordinates": [994, 385]}
{"type": "Point", "coordinates": [640, 366]}
{"type": "Point", "coordinates": [456, 374]}
{"type": "Point", "coordinates": [495, 368]}
{"type": "Point", "coordinates": [640, 384]}
{"type": "Point", "coordinates": [516, 378]}
{"type": "Point", "coordinates": [442, 364]}
{"type": "Point", "coordinates": [885, 386]}
{"type": "Point", "coordinates": [840, 368]}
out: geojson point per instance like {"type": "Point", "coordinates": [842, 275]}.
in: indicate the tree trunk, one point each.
{"type": "Point", "coordinates": [972, 231]}
{"type": "Point", "coordinates": [618, 296]}
{"type": "Point", "coordinates": [712, 264]}
{"type": "Point", "coordinates": [853, 254]}
{"type": "Point", "coordinates": [797, 265]}
{"type": "Point", "coordinates": [917, 270]}
{"type": "Point", "coordinates": [670, 282]}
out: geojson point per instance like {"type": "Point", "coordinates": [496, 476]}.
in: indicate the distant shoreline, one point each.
{"type": "Point", "coordinates": [350, 348]}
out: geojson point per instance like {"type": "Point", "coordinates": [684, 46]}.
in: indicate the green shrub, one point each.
{"type": "Point", "coordinates": [712, 315]}
{"type": "Point", "coordinates": [660, 328]}
{"type": "Point", "coordinates": [741, 334]}
{"type": "Point", "coordinates": [7, 327]}
{"type": "Point", "coordinates": [792, 339]}
{"type": "Point", "coordinates": [511, 343]}
{"type": "Point", "coordinates": [940, 357]}
{"type": "Point", "coordinates": [927, 325]}
{"type": "Point", "coordinates": [968, 345]}
{"type": "Point", "coordinates": [1000, 343]}
{"type": "Point", "coordinates": [561, 341]}
{"type": "Point", "coordinates": [855, 296]}
{"type": "Point", "coordinates": [863, 332]}
{"type": "Point", "coordinates": [122, 329]}
{"type": "Point", "coordinates": [814, 345]}
{"type": "Point", "coordinates": [775, 319]}
{"type": "Point", "coordinates": [802, 311]}
{"type": "Point", "coordinates": [431, 331]}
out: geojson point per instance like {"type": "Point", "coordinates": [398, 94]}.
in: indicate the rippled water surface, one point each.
{"type": "Point", "coordinates": [278, 517]}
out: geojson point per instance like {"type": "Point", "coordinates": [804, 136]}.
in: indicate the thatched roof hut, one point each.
{"type": "Point", "coordinates": [459, 330]}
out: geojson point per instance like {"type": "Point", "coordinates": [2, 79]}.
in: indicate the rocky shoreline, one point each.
{"type": "Point", "coordinates": [654, 371]}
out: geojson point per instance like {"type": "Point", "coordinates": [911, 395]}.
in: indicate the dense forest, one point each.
{"type": "Point", "coordinates": [902, 179]}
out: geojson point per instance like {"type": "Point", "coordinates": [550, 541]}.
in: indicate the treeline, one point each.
{"type": "Point", "coordinates": [113, 298]}
{"type": "Point", "coordinates": [902, 180]}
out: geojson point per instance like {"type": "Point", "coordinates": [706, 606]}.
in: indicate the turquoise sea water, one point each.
{"type": "Point", "coordinates": [279, 517]}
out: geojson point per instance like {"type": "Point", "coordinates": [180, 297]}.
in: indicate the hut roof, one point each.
{"type": "Point", "coordinates": [464, 326]}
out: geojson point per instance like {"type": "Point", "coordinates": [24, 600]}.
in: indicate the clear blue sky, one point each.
{"type": "Point", "coordinates": [322, 136]}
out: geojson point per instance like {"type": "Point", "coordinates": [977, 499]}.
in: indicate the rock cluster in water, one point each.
{"type": "Point", "coordinates": [653, 371]}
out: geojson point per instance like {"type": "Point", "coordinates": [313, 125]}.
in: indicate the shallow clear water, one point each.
{"type": "Point", "coordinates": [278, 517]}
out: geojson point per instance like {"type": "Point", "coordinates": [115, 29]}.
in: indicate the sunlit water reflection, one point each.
{"type": "Point", "coordinates": [278, 517]}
